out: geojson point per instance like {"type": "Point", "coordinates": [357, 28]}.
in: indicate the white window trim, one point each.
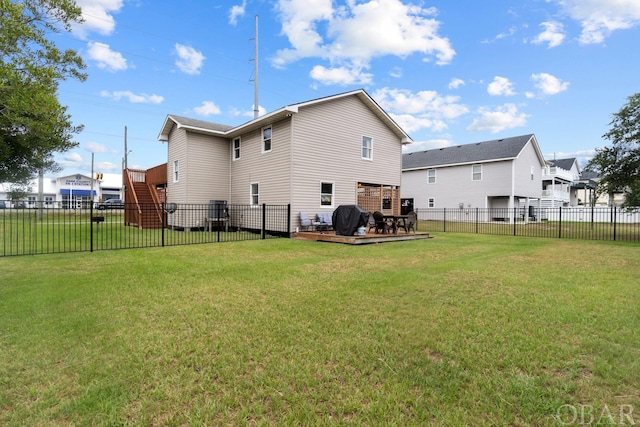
{"type": "Point", "coordinates": [263, 139]}
{"type": "Point", "coordinates": [362, 147]}
{"type": "Point", "coordinates": [434, 176]}
{"type": "Point", "coordinates": [333, 194]}
{"type": "Point", "coordinates": [233, 148]}
{"type": "Point", "coordinates": [176, 171]}
{"type": "Point", "coordinates": [473, 173]}
{"type": "Point", "coordinates": [251, 194]}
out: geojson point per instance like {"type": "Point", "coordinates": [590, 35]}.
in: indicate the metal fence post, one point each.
{"type": "Point", "coordinates": [560, 222]}
{"type": "Point", "coordinates": [515, 221]}
{"type": "Point", "coordinates": [264, 221]}
{"type": "Point", "coordinates": [444, 220]}
{"type": "Point", "coordinates": [91, 224]}
{"type": "Point", "coordinates": [162, 224]}
{"type": "Point", "coordinates": [289, 219]}
{"type": "Point", "coordinates": [615, 221]}
{"type": "Point", "coordinates": [477, 220]}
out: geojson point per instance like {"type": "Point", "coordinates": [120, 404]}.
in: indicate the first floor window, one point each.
{"type": "Point", "coordinates": [431, 176]}
{"type": "Point", "coordinates": [533, 173]}
{"type": "Point", "coordinates": [255, 194]}
{"type": "Point", "coordinates": [432, 202]}
{"type": "Point", "coordinates": [176, 170]}
{"type": "Point", "coordinates": [326, 194]}
{"type": "Point", "coordinates": [367, 148]}
{"type": "Point", "coordinates": [477, 172]}
{"type": "Point", "coordinates": [236, 148]}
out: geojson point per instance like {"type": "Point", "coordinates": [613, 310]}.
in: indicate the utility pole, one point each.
{"type": "Point", "coordinates": [126, 152]}
{"type": "Point", "coordinates": [256, 81]}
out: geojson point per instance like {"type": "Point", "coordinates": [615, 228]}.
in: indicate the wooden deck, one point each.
{"type": "Point", "coordinates": [330, 236]}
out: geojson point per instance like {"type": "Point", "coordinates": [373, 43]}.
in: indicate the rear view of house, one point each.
{"type": "Point", "coordinates": [314, 155]}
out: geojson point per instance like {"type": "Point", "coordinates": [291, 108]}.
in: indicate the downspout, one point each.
{"type": "Point", "coordinates": [512, 197]}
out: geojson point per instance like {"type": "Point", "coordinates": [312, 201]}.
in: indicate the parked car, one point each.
{"type": "Point", "coordinates": [111, 204]}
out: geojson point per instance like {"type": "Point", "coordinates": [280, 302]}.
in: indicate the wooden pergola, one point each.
{"type": "Point", "coordinates": [379, 197]}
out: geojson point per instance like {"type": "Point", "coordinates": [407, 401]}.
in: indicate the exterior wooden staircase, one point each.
{"type": "Point", "coordinates": [144, 195]}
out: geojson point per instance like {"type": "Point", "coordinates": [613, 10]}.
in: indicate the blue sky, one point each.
{"type": "Point", "coordinates": [449, 72]}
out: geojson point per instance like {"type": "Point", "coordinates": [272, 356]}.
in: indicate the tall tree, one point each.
{"type": "Point", "coordinates": [33, 124]}
{"type": "Point", "coordinates": [619, 164]}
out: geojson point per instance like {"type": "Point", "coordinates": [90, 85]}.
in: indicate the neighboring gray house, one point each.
{"type": "Point", "coordinates": [501, 173]}
{"type": "Point", "coordinates": [314, 155]}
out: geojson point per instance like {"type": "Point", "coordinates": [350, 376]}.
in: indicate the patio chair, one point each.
{"type": "Point", "coordinates": [306, 224]}
{"type": "Point", "coordinates": [381, 224]}
{"type": "Point", "coordinates": [410, 222]}
{"type": "Point", "coordinates": [325, 222]}
{"type": "Point", "coordinates": [372, 223]}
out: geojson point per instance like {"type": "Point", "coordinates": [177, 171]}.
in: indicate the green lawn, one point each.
{"type": "Point", "coordinates": [462, 329]}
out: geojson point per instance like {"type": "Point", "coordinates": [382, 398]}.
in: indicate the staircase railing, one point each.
{"type": "Point", "coordinates": [132, 211]}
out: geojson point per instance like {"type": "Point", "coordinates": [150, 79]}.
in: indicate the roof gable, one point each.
{"type": "Point", "coordinates": [233, 131]}
{"type": "Point", "coordinates": [479, 152]}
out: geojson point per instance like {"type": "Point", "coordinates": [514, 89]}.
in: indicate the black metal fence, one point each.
{"type": "Point", "coordinates": [572, 223]}
{"type": "Point", "coordinates": [51, 228]}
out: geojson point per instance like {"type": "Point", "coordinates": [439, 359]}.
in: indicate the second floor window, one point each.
{"type": "Point", "coordinates": [176, 170]}
{"type": "Point", "coordinates": [431, 176]}
{"type": "Point", "coordinates": [266, 139]}
{"type": "Point", "coordinates": [477, 173]}
{"type": "Point", "coordinates": [236, 148]}
{"type": "Point", "coordinates": [367, 148]}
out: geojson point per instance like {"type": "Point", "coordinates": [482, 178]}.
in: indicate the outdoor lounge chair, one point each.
{"type": "Point", "coordinates": [372, 223]}
{"type": "Point", "coordinates": [381, 224]}
{"type": "Point", "coordinates": [306, 223]}
{"type": "Point", "coordinates": [325, 222]}
{"type": "Point", "coordinates": [410, 222]}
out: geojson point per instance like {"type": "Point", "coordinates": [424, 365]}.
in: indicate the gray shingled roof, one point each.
{"type": "Point", "coordinates": [565, 164]}
{"type": "Point", "coordinates": [497, 149]}
{"type": "Point", "coordinates": [186, 121]}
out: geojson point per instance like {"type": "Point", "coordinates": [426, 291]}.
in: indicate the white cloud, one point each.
{"type": "Point", "coordinates": [189, 60]}
{"type": "Point", "coordinates": [340, 75]}
{"type": "Point", "coordinates": [424, 109]}
{"type": "Point", "coordinates": [106, 58]}
{"type": "Point", "coordinates": [504, 117]}
{"type": "Point", "coordinates": [73, 157]}
{"type": "Point", "coordinates": [248, 113]}
{"type": "Point", "coordinates": [599, 18]}
{"type": "Point", "coordinates": [95, 147]}
{"type": "Point", "coordinates": [355, 33]}
{"type": "Point", "coordinates": [141, 98]}
{"type": "Point", "coordinates": [237, 12]}
{"type": "Point", "coordinates": [396, 72]}
{"type": "Point", "coordinates": [553, 34]}
{"type": "Point", "coordinates": [456, 83]}
{"type": "Point", "coordinates": [500, 86]}
{"type": "Point", "coordinates": [98, 16]}
{"type": "Point", "coordinates": [427, 145]}
{"type": "Point", "coordinates": [548, 84]}
{"type": "Point", "coordinates": [208, 108]}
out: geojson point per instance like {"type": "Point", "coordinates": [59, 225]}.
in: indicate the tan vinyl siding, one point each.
{"type": "Point", "coordinates": [177, 191]}
{"type": "Point", "coordinates": [208, 168]}
{"type": "Point", "coordinates": [327, 144]}
{"type": "Point", "coordinates": [271, 170]}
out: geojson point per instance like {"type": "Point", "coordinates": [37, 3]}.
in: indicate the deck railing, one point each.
{"type": "Point", "coordinates": [51, 228]}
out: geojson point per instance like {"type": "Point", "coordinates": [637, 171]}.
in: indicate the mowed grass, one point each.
{"type": "Point", "coordinates": [455, 330]}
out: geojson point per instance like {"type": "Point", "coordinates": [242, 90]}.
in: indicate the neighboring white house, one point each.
{"type": "Point", "coordinates": [76, 190]}
{"type": "Point", "coordinates": [314, 155]}
{"type": "Point", "coordinates": [558, 183]}
{"type": "Point", "coordinates": [501, 173]}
